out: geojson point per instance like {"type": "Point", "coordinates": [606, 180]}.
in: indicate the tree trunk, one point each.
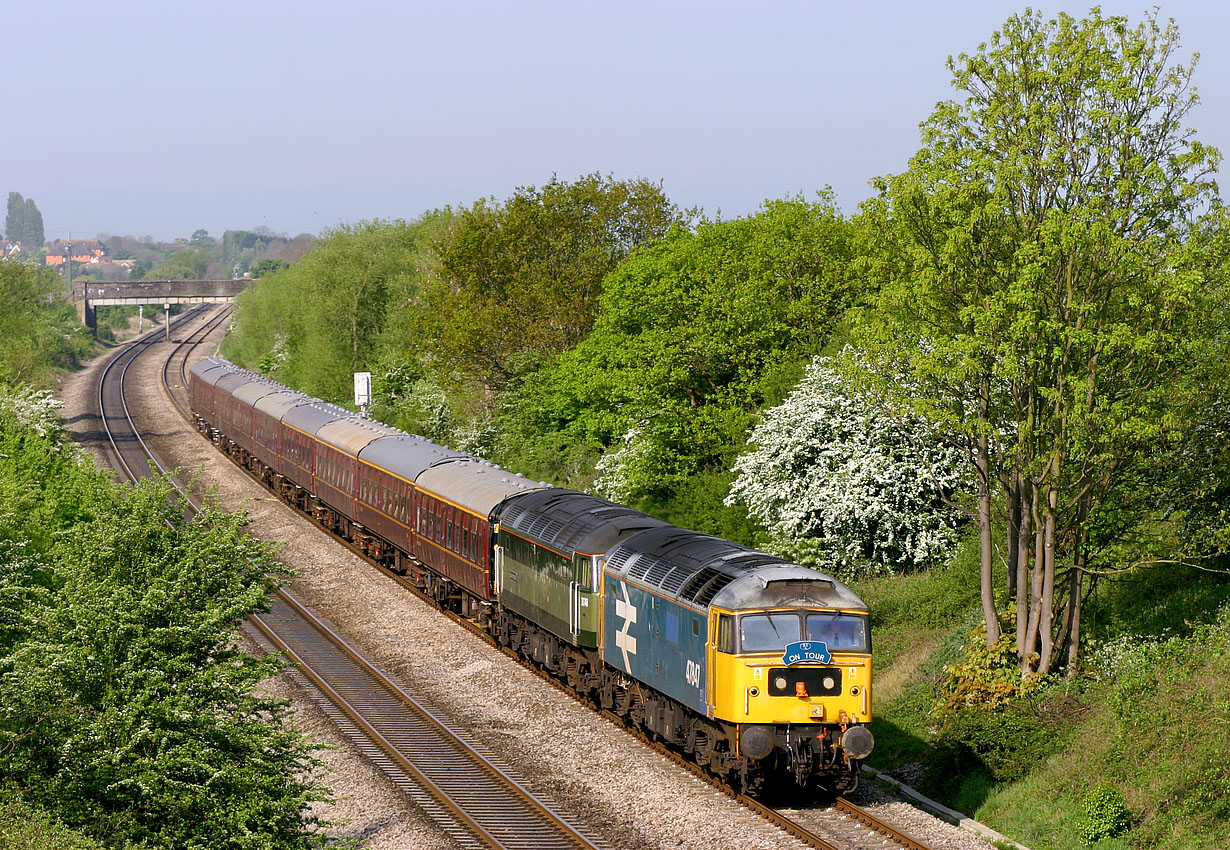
{"type": "Point", "coordinates": [986, 540]}
{"type": "Point", "coordinates": [1014, 533]}
{"type": "Point", "coordinates": [1075, 602]}
{"type": "Point", "coordinates": [1035, 586]}
{"type": "Point", "coordinates": [1046, 626]}
{"type": "Point", "coordinates": [1027, 507]}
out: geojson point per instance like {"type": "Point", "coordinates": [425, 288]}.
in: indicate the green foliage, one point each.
{"type": "Point", "coordinates": [201, 238]}
{"type": "Point", "coordinates": [1106, 814]}
{"type": "Point", "coordinates": [126, 708]}
{"type": "Point", "coordinates": [25, 827]}
{"type": "Point", "coordinates": [316, 323]}
{"type": "Point", "coordinates": [1155, 600]}
{"type": "Point", "coordinates": [693, 335]}
{"type": "Point", "coordinates": [1003, 744]}
{"type": "Point", "coordinates": [700, 506]}
{"type": "Point", "coordinates": [935, 598]}
{"type": "Point", "coordinates": [989, 676]}
{"type": "Point", "coordinates": [42, 487]}
{"type": "Point", "coordinates": [515, 282]}
{"type": "Point", "coordinates": [264, 268]}
{"type": "Point", "coordinates": [38, 331]}
{"type": "Point", "coordinates": [188, 264]}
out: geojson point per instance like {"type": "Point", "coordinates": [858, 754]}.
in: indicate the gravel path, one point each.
{"type": "Point", "coordinates": [600, 778]}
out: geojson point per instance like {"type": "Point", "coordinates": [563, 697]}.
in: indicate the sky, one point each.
{"type": "Point", "coordinates": [155, 118]}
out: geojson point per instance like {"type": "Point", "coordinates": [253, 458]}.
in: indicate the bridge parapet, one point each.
{"type": "Point", "coordinates": [93, 294]}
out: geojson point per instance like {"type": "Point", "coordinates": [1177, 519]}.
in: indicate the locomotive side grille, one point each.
{"type": "Point", "coordinates": [704, 585]}
{"type": "Point", "coordinates": [639, 564]}
{"type": "Point", "coordinates": [673, 580]}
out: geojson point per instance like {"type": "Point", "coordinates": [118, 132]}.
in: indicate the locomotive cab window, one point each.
{"type": "Point", "coordinates": [841, 632]}
{"type": "Point", "coordinates": [726, 633]}
{"type": "Point", "coordinates": [770, 632]}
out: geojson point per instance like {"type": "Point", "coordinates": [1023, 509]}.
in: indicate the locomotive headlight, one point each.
{"type": "Point", "coordinates": [781, 683]}
{"type": "Point", "coordinates": [829, 683]}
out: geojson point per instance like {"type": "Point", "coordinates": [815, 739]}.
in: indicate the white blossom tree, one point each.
{"type": "Point", "coordinates": [844, 486]}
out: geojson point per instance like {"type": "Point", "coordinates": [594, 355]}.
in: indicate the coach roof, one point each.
{"type": "Point", "coordinates": [570, 522]}
{"type": "Point", "coordinates": [476, 485]}
{"type": "Point", "coordinates": [406, 455]}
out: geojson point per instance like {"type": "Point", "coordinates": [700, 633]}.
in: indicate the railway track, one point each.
{"type": "Point", "coordinates": [472, 800]}
{"type": "Point", "coordinates": [841, 827]}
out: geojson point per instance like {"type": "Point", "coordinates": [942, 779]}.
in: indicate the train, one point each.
{"type": "Point", "coordinates": [757, 669]}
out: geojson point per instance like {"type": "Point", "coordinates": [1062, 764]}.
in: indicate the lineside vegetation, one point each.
{"type": "Point", "coordinates": [1021, 381]}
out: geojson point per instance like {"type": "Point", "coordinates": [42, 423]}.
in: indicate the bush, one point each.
{"type": "Point", "coordinates": [988, 677]}
{"type": "Point", "coordinates": [23, 827]}
{"type": "Point", "coordinates": [1005, 744]}
{"type": "Point", "coordinates": [860, 485]}
{"type": "Point", "coordinates": [1106, 814]}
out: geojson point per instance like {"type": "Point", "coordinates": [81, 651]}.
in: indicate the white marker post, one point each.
{"type": "Point", "coordinates": [363, 390]}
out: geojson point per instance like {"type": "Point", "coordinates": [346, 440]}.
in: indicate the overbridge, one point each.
{"type": "Point", "coordinates": [92, 294]}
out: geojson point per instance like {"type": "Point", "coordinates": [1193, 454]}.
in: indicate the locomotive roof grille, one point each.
{"type": "Point", "coordinates": [572, 522]}
{"type": "Point", "coordinates": [693, 567]}
{"type": "Point", "coordinates": [704, 585]}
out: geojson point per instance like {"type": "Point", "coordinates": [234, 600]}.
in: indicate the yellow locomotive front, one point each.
{"type": "Point", "coordinates": [790, 672]}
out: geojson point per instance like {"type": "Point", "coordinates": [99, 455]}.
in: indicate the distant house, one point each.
{"type": "Point", "coordinates": [11, 249]}
{"type": "Point", "coordinates": [86, 251]}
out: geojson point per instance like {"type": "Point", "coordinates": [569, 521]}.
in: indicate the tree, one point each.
{"type": "Point", "coordinates": [38, 331]}
{"type": "Point", "coordinates": [693, 335]}
{"type": "Point", "coordinates": [23, 222]}
{"type": "Point", "coordinates": [264, 268]}
{"type": "Point", "coordinates": [201, 238]}
{"type": "Point", "coordinates": [1034, 286]}
{"type": "Point", "coordinates": [846, 485]}
{"type": "Point", "coordinates": [127, 707]}
{"type": "Point", "coordinates": [316, 323]}
{"type": "Point", "coordinates": [512, 283]}
{"type": "Point", "coordinates": [188, 264]}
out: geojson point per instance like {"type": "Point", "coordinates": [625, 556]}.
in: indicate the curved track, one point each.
{"type": "Point", "coordinates": [843, 826]}
{"type": "Point", "coordinates": [386, 724]}
{"type": "Point", "coordinates": [472, 800]}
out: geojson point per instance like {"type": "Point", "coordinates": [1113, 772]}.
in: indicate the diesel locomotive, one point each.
{"type": "Point", "coordinates": [760, 670]}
